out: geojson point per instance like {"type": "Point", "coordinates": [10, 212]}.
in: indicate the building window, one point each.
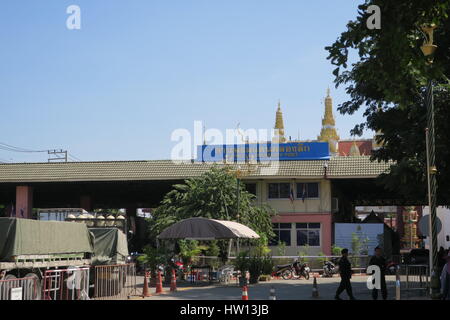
{"type": "Point", "coordinates": [308, 234]}
{"type": "Point", "coordinates": [251, 188]}
{"type": "Point", "coordinates": [282, 234]}
{"type": "Point", "coordinates": [279, 190]}
{"type": "Point", "coordinates": [307, 190]}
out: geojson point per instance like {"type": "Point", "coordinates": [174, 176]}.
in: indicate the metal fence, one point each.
{"type": "Point", "coordinates": [412, 281]}
{"type": "Point", "coordinates": [66, 284]}
{"type": "Point", "coordinates": [359, 262]}
{"type": "Point", "coordinates": [114, 281]}
{"type": "Point", "coordinates": [20, 289]}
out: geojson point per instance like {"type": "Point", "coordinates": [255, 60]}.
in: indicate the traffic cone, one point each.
{"type": "Point", "coordinates": [173, 283]}
{"type": "Point", "coordinates": [315, 290]}
{"type": "Point", "coordinates": [145, 291]}
{"type": "Point", "coordinates": [159, 288]}
{"type": "Point", "coordinates": [244, 293]}
{"type": "Point", "coordinates": [272, 294]}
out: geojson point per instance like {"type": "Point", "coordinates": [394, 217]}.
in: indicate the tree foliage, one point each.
{"type": "Point", "coordinates": [212, 195]}
{"type": "Point", "coordinates": [388, 81]}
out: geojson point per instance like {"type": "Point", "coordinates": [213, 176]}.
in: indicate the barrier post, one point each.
{"type": "Point", "coordinates": [145, 292]}
{"type": "Point", "coordinates": [173, 284]}
{"type": "Point", "coordinates": [159, 288]}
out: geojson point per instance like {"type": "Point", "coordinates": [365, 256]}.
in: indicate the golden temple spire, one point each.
{"type": "Point", "coordinates": [279, 125]}
{"type": "Point", "coordinates": [328, 132]}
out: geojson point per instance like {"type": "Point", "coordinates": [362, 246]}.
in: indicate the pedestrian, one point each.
{"type": "Point", "coordinates": [445, 279]}
{"type": "Point", "coordinates": [380, 261]}
{"type": "Point", "coordinates": [441, 259]}
{"type": "Point", "coordinates": [345, 270]}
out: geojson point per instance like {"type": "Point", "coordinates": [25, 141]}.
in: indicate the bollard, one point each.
{"type": "Point", "coordinates": [397, 286]}
{"type": "Point", "coordinates": [159, 288]}
{"type": "Point", "coordinates": [272, 294]}
{"type": "Point", "coordinates": [315, 290]}
{"type": "Point", "coordinates": [244, 293]}
{"type": "Point", "coordinates": [145, 291]}
{"type": "Point", "coordinates": [173, 283]}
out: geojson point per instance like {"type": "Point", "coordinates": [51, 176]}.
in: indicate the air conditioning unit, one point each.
{"type": "Point", "coordinates": [334, 205]}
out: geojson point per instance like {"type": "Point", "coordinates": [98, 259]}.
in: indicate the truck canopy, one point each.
{"type": "Point", "coordinates": [110, 246]}
{"type": "Point", "coordinates": [19, 237]}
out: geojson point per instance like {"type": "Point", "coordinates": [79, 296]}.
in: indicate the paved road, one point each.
{"type": "Point", "coordinates": [285, 290]}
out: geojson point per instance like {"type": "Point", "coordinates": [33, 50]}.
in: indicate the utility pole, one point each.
{"type": "Point", "coordinates": [59, 155]}
{"type": "Point", "coordinates": [428, 50]}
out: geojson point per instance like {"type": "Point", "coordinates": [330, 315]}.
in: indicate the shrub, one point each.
{"type": "Point", "coordinates": [241, 262]}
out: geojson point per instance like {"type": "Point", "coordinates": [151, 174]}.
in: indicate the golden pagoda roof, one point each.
{"type": "Point", "coordinates": [328, 132]}
{"type": "Point", "coordinates": [279, 125]}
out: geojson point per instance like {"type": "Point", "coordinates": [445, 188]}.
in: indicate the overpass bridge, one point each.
{"type": "Point", "coordinates": [143, 184]}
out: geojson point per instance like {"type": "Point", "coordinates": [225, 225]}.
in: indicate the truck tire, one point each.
{"type": "Point", "coordinates": [37, 294]}
{"type": "Point", "coordinates": [10, 276]}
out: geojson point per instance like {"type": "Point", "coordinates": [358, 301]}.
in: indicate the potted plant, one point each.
{"type": "Point", "coordinates": [255, 268]}
{"type": "Point", "coordinates": [242, 263]}
{"type": "Point", "coordinates": [151, 259]}
{"type": "Point", "coordinates": [267, 269]}
{"type": "Point", "coordinates": [189, 252]}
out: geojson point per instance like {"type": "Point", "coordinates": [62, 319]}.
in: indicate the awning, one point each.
{"type": "Point", "coordinates": [207, 229]}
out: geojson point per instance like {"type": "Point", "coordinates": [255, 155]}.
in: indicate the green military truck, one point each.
{"type": "Point", "coordinates": [30, 247]}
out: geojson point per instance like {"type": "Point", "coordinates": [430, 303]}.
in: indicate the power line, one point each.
{"type": "Point", "coordinates": [74, 158]}
{"type": "Point", "coordinates": [59, 154]}
{"type": "Point", "coordinates": [7, 147]}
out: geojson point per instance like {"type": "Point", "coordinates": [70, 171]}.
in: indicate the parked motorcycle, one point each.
{"type": "Point", "coordinates": [392, 268]}
{"type": "Point", "coordinates": [293, 270]}
{"type": "Point", "coordinates": [329, 268]}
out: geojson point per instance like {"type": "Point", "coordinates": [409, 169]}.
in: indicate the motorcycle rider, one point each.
{"type": "Point", "coordinates": [345, 270]}
{"type": "Point", "coordinates": [379, 261]}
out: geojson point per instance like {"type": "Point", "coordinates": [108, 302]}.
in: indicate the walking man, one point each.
{"type": "Point", "coordinates": [379, 261]}
{"type": "Point", "coordinates": [445, 279]}
{"type": "Point", "coordinates": [345, 270]}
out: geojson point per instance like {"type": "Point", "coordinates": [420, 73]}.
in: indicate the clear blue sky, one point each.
{"type": "Point", "coordinates": [138, 69]}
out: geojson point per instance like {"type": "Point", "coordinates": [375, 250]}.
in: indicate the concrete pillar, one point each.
{"type": "Point", "coordinates": [134, 243]}
{"type": "Point", "coordinates": [327, 233]}
{"type": "Point", "coordinates": [86, 202]}
{"type": "Point", "coordinates": [24, 202]}
{"type": "Point", "coordinates": [131, 213]}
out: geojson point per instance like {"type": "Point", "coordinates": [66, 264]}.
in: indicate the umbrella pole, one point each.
{"type": "Point", "coordinates": [229, 248]}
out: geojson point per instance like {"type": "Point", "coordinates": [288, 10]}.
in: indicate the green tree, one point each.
{"type": "Point", "coordinates": [388, 79]}
{"type": "Point", "coordinates": [281, 248]}
{"type": "Point", "coordinates": [189, 251]}
{"type": "Point", "coordinates": [212, 195]}
{"type": "Point", "coordinates": [152, 258]}
{"type": "Point", "coordinates": [335, 250]}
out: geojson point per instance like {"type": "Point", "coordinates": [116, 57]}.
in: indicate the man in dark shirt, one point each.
{"type": "Point", "coordinates": [345, 270]}
{"type": "Point", "coordinates": [379, 261]}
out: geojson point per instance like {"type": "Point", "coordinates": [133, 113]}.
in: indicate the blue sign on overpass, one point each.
{"type": "Point", "coordinates": [264, 152]}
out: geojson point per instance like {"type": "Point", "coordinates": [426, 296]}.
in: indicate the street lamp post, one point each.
{"type": "Point", "coordinates": [239, 173]}
{"type": "Point", "coordinates": [428, 50]}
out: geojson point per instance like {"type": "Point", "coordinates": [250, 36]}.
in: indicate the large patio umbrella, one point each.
{"type": "Point", "coordinates": [207, 229]}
